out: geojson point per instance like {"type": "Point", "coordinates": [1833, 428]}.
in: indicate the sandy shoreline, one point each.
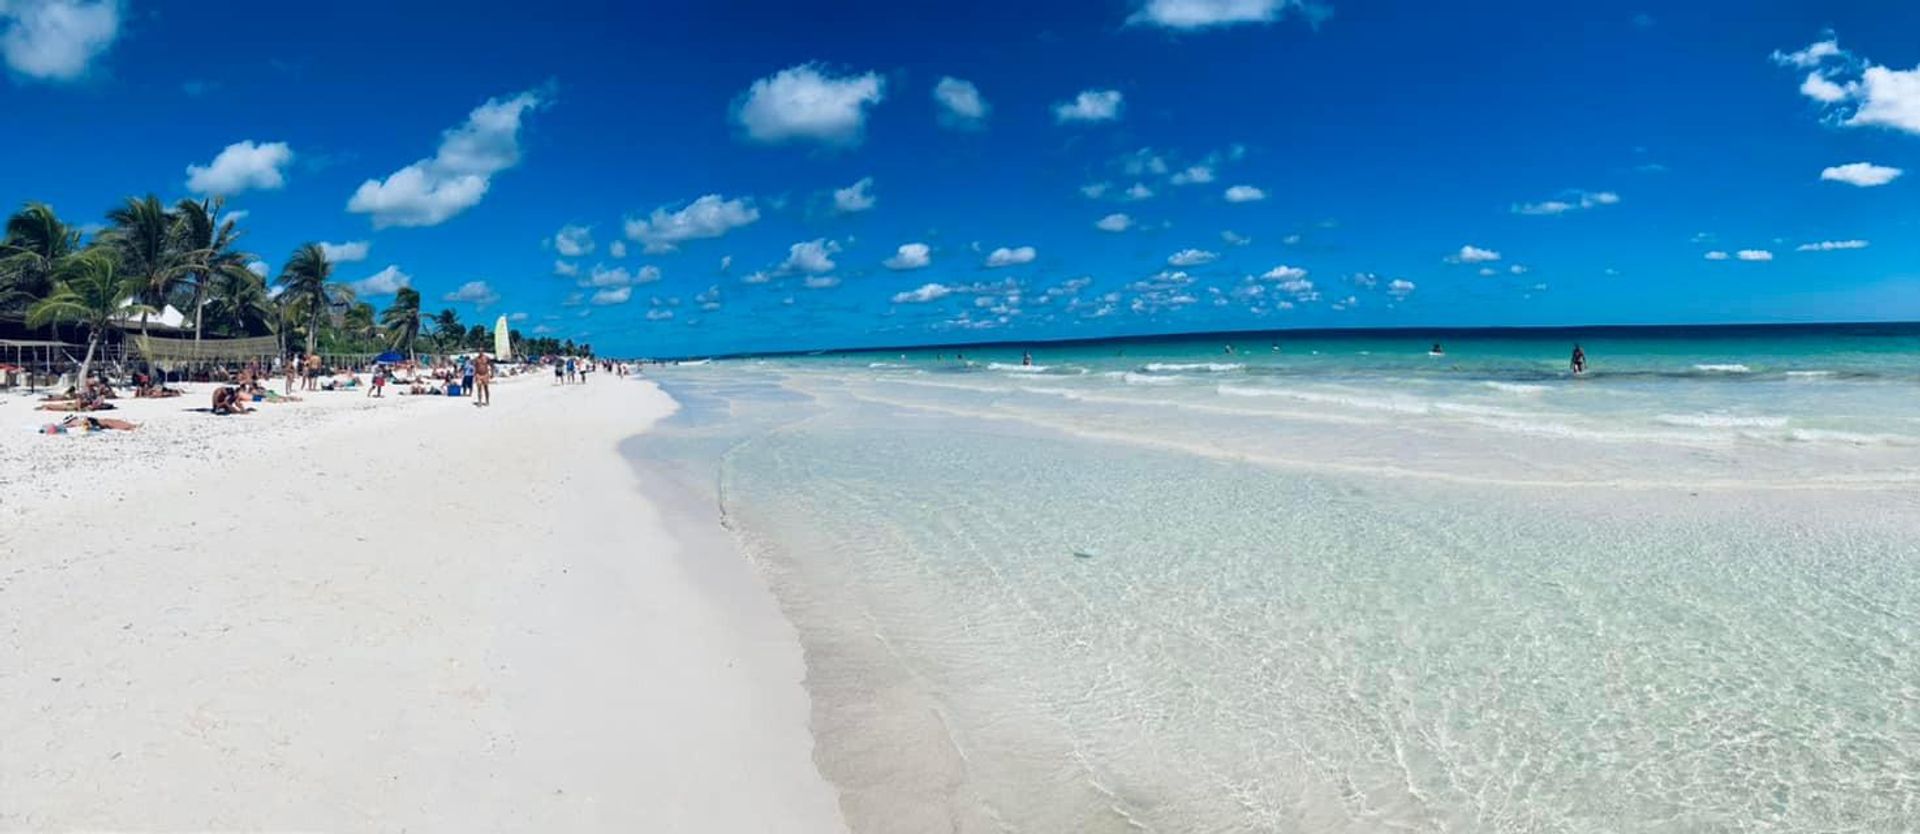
{"type": "Point", "coordinates": [354, 614]}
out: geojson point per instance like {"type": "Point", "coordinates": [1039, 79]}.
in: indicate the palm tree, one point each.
{"type": "Point", "coordinates": [143, 237]}
{"type": "Point", "coordinates": [403, 320]}
{"type": "Point", "coordinates": [31, 250]}
{"type": "Point", "coordinates": [307, 289]}
{"type": "Point", "coordinates": [207, 252]}
{"type": "Point", "coordinates": [357, 320]}
{"type": "Point", "coordinates": [447, 330]}
{"type": "Point", "coordinates": [89, 291]}
{"type": "Point", "coordinates": [239, 305]}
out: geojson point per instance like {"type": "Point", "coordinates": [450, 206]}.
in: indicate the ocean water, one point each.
{"type": "Point", "coordinates": [1334, 583]}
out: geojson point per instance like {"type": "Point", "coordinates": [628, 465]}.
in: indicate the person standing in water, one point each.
{"type": "Point", "coordinates": [1579, 363]}
{"type": "Point", "coordinates": [1026, 358]}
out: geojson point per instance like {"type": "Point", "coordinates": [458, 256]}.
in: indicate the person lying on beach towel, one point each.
{"type": "Point", "coordinates": [88, 401]}
{"type": "Point", "coordinates": [88, 424]}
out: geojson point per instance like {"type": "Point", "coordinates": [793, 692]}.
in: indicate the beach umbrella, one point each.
{"type": "Point", "coordinates": [391, 357]}
{"type": "Point", "coordinates": [502, 349]}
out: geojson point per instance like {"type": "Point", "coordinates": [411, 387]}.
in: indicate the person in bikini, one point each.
{"type": "Point", "coordinates": [482, 379]}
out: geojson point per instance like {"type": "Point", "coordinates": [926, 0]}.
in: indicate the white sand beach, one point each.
{"type": "Point", "coordinates": [401, 614]}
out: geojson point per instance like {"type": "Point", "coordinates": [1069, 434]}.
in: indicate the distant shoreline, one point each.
{"type": "Point", "coordinates": [1897, 328]}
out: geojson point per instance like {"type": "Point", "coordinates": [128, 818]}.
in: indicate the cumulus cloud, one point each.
{"type": "Point", "coordinates": [346, 253]}
{"type": "Point", "coordinates": [430, 191]}
{"type": "Point", "coordinates": [56, 40]}
{"type": "Point", "coordinates": [601, 276]}
{"type": "Point", "coordinates": [258, 268]}
{"type": "Point", "coordinates": [822, 282]}
{"type": "Point", "coordinates": [476, 293]}
{"type": "Point", "coordinates": [1858, 92]}
{"type": "Point", "coordinates": [1192, 257]}
{"type": "Point", "coordinates": [242, 166]}
{"type": "Point", "coordinates": [1011, 257]}
{"type": "Point", "coordinates": [1862, 174]}
{"type": "Point", "coordinates": [573, 241]}
{"type": "Point", "coordinates": [1189, 15]}
{"type": "Point", "coordinates": [1400, 288]}
{"type": "Point", "coordinates": [1285, 273]}
{"type": "Point", "coordinates": [1139, 191]}
{"type": "Point", "coordinates": [1471, 254]}
{"type": "Point", "coordinates": [385, 282]}
{"type": "Point", "coordinates": [1715, 255]}
{"type": "Point", "coordinates": [1115, 222]}
{"type": "Point", "coordinates": [815, 256]}
{"type": "Point", "coordinates": [1094, 190]}
{"type": "Point", "coordinates": [708, 217]}
{"type": "Point", "coordinates": [910, 256]}
{"type": "Point", "coordinates": [1193, 175]}
{"type": "Point", "coordinates": [854, 198]}
{"type": "Point", "coordinates": [610, 296]}
{"type": "Point", "coordinates": [617, 249]}
{"type": "Point", "coordinates": [1245, 194]}
{"type": "Point", "coordinates": [1089, 106]}
{"type": "Point", "coordinates": [1754, 255]}
{"type": "Point", "coordinates": [1569, 201]}
{"type": "Point", "coordinates": [1831, 245]}
{"type": "Point", "coordinates": [565, 269]}
{"type": "Point", "coordinates": [805, 103]}
{"type": "Point", "coordinates": [961, 106]}
{"type": "Point", "coordinates": [924, 294]}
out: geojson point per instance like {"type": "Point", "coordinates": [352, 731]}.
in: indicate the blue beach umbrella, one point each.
{"type": "Point", "coordinates": [391, 356]}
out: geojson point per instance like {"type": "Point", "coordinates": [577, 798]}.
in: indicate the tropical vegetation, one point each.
{"type": "Point", "coordinates": [149, 256]}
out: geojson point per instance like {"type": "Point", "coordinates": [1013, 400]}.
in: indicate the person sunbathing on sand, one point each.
{"type": "Point", "coordinates": [226, 400]}
{"type": "Point", "coordinates": [88, 424]}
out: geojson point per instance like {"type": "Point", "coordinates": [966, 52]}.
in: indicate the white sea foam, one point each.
{"type": "Point", "coordinates": [1210, 367]}
{"type": "Point", "coordinates": [1851, 438]}
{"type": "Point", "coordinates": [1809, 374]}
{"type": "Point", "coordinates": [1722, 421]}
{"type": "Point", "coordinates": [1148, 379]}
{"type": "Point", "coordinates": [1729, 368]}
{"type": "Point", "coordinates": [1018, 369]}
{"type": "Point", "coordinates": [1516, 387]}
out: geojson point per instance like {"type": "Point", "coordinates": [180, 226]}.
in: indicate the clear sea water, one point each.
{"type": "Point", "coordinates": [1335, 583]}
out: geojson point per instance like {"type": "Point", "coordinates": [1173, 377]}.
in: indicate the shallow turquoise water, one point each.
{"type": "Point", "coordinates": [1357, 591]}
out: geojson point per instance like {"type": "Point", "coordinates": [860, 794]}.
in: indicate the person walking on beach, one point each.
{"type": "Point", "coordinates": [559, 372]}
{"type": "Point", "coordinates": [572, 371]}
{"type": "Point", "coordinates": [313, 370]}
{"type": "Point", "coordinates": [482, 370]}
{"type": "Point", "coordinates": [293, 371]}
{"type": "Point", "coordinates": [379, 386]}
{"type": "Point", "coordinates": [466, 377]}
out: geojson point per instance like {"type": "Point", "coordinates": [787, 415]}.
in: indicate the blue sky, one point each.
{"type": "Point", "coordinates": [1338, 164]}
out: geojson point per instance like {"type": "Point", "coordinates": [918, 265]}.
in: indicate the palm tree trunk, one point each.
{"type": "Point", "coordinates": [93, 340]}
{"type": "Point", "coordinates": [313, 328]}
{"type": "Point", "coordinates": [199, 304]}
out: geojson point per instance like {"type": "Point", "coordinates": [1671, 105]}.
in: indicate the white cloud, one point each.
{"type": "Point", "coordinates": [1115, 222]}
{"type": "Point", "coordinates": [1862, 174]}
{"type": "Point", "coordinates": [1517, 269]}
{"type": "Point", "coordinates": [822, 282]}
{"type": "Point", "coordinates": [1139, 191]}
{"type": "Point", "coordinates": [1811, 56]}
{"type": "Point", "coordinates": [646, 274]}
{"type": "Point", "coordinates": [1487, 271]}
{"type": "Point", "coordinates": [1090, 106]}
{"type": "Point", "coordinates": [258, 268]}
{"type": "Point", "coordinates": [242, 166]}
{"type": "Point", "coordinates": [1285, 273]}
{"type": "Point", "coordinates": [1819, 88]}
{"type": "Point", "coordinates": [659, 315]}
{"type": "Point", "coordinates": [346, 253]}
{"type": "Point", "coordinates": [385, 282]}
{"type": "Point", "coordinates": [1715, 255]}
{"type": "Point", "coordinates": [517, 317]}
{"type": "Point", "coordinates": [430, 191]}
{"type": "Point", "coordinates": [910, 256]}
{"type": "Point", "coordinates": [1880, 96]}
{"type": "Point", "coordinates": [1471, 254]}
{"type": "Point", "coordinates": [234, 216]}
{"type": "Point", "coordinates": [1011, 257]}
{"type": "Point", "coordinates": [708, 217]}
{"type": "Point", "coordinates": [814, 256]}
{"type": "Point", "coordinates": [926, 293]}
{"type": "Point", "coordinates": [1234, 238]}
{"type": "Point", "coordinates": [1400, 288]}
{"type": "Point", "coordinates": [1193, 175]}
{"type": "Point", "coordinates": [1203, 14]}
{"type": "Point", "coordinates": [573, 241]}
{"type": "Point", "coordinates": [1245, 194]}
{"type": "Point", "coordinates": [601, 276]}
{"type": "Point", "coordinates": [760, 277]}
{"type": "Point", "coordinates": [611, 296]}
{"type": "Point", "coordinates": [565, 269]}
{"type": "Point", "coordinates": [617, 249]}
{"type": "Point", "coordinates": [803, 102]}
{"type": "Point", "coordinates": [56, 40]}
{"type": "Point", "coordinates": [1831, 245]}
{"type": "Point", "coordinates": [960, 104]}
{"type": "Point", "coordinates": [1192, 257]}
{"type": "Point", "coordinates": [473, 292]}
{"type": "Point", "coordinates": [1570, 201]}
{"type": "Point", "coordinates": [1754, 255]}
{"type": "Point", "coordinates": [1094, 190]}
{"type": "Point", "coordinates": [857, 197]}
